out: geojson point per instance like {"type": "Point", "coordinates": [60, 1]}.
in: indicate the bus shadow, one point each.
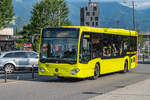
{"type": "Point", "coordinates": [144, 73]}
{"type": "Point", "coordinates": [57, 80]}
{"type": "Point", "coordinates": [145, 62]}
{"type": "Point", "coordinates": [96, 93]}
{"type": "Point", "coordinates": [113, 73]}
{"type": "Point", "coordinates": [68, 80]}
{"type": "Point", "coordinates": [27, 76]}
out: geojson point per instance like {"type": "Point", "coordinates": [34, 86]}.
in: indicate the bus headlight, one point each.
{"type": "Point", "coordinates": [41, 69]}
{"type": "Point", "coordinates": [76, 70]}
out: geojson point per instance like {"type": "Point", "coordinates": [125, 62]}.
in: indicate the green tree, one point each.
{"type": "Point", "coordinates": [140, 37]}
{"type": "Point", "coordinates": [6, 12]}
{"type": "Point", "coordinates": [46, 13]}
{"type": "Point", "coordinates": [26, 36]}
{"type": "Point", "coordinates": [49, 13]}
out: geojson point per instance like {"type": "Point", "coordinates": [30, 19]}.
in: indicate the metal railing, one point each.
{"type": "Point", "coordinates": [5, 75]}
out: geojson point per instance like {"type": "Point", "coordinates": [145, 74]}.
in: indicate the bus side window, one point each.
{"type": "Point", "coordinates": [107, 45]}
{"type": "Point", "coordinates": [96, 45]}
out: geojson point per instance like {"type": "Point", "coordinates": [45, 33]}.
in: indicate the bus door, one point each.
{"type": "Point", "coordinates": [132, 51]}
{"type": "Point", "coordinates": [85, 50]}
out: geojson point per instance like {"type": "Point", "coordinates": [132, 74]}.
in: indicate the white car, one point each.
{"type": "Point", "coordinates": [13, 60]}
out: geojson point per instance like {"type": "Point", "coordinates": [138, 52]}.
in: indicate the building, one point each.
{"type": "Point", "coordinates": [90, 15]}
{"type": "Point", "coordinates": [146, 44]}
{"type": "Point", "coordinates": [6, 33]}
{"type": "Point", "coordinates": [144, 48]}
{"type": "Point", "coordinates": [6, 39]}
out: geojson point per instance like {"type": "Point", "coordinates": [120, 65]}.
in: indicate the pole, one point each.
{"type": "Point", "coordinates": [16, 30]}
{"type": "Point", "coordinates": [32, 71]}
{"type": "Point", "coordinates": [133, 15]}
{"type": "Point", "coordinates": [5, 76]}
{"type": "Point", "coordinates": [59, 18]}
{"type": "Point", "coordinates": [143, 58]}
{"type": "Point", "coordinates": [148, 47]}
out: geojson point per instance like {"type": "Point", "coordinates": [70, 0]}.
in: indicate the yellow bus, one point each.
{"type": "Point", "coordinates": [82, 51]}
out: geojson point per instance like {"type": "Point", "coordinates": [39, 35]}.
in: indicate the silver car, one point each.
{"type": "Point", "coordinates": [13, 60]}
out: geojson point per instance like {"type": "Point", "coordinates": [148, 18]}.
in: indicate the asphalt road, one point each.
{"type": "Point", "coordinates": [51, 88]}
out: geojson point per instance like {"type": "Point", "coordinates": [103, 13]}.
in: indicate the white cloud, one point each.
{"type": "Point", "coordinates": [94, 0]}
{"type": "Point", "coordinates": [143, 5]}
{"type": "Point", "coordinates": [18, 0]}
{"type": "Point", "coordinates": [140, 4]}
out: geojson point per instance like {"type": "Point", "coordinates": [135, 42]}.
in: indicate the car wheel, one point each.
{"type": "Point", "coordinates": [9, 68]}
{"type": "Point", "coordinates": [96, 72]}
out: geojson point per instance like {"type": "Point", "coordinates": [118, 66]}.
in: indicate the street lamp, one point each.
{"type": "Point", "coordinates": [133, 5]}
{"type": "Point", "coordinates": [133, 13]}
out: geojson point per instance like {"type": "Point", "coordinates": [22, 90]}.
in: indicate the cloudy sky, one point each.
{"type": "Point", "coordinates": [140, 4]}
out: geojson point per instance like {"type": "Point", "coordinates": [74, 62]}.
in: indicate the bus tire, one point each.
{"type": "Point", "coordinates": [96, 72]}
{"type": "Point", "coordinates": [126, 67]}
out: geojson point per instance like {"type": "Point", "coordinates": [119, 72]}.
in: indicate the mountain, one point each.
{"type": "Point", "coordinates": [145, 19]}
{"type": "Point", "coordinates": [112, 14]}
{"type": "Point", "coordinates": [23, 8]}
{"type": "Point", "coordinates": [115, 15]}
{"type": "Point", "coordinates": [22, 13]}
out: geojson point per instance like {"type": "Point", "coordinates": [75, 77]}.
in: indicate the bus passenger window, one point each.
{"type": "Point", "coordinates": [114, 50]}
{"type": "Point", "coordinates": [106, 51]}
{"type": "Point", "coordinates": [96, 45]}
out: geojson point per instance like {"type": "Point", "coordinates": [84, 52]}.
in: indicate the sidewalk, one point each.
{"type": "Point", "coordinates": [138, 91]}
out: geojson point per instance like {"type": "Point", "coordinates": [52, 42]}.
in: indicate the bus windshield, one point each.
{"type": "Point", "coordinates": [59, 45]}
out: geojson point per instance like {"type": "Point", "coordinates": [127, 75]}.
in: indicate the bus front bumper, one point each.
{"type": "Point", "coordinates": [62, 71]}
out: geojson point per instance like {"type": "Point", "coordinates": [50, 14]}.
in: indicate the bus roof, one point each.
{"type": "Point", "coordinates": [104, 30]}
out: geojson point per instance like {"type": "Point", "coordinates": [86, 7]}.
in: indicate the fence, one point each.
{"type": "Point", "coordinates": [21, 75]}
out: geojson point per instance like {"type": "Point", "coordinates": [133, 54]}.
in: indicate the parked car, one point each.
{"type": "Point", "coordinates": [14, 60]}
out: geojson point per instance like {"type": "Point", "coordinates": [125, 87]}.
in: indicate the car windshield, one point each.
{"type": "Point", "coordinates": [59, 45]}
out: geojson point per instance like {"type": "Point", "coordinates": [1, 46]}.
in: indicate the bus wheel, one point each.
{"type": "Point", "coordinates": [96, 72]}
{"type": "Point", "coordinates": [125, 67]}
